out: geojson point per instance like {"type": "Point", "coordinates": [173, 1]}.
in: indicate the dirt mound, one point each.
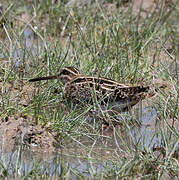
{"type": "Point", "coordinates": [17, 131]}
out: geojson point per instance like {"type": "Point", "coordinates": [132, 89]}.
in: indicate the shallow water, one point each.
{"type": "Point", "coordinates": [30, 47]}
{"type": "Point", "coordinates": [145, 136]}
{"type": "Point", "coordinates": [80, 159]}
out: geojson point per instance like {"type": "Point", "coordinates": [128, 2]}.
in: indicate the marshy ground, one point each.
{"type": "Point", "coordinates": [130, 42]}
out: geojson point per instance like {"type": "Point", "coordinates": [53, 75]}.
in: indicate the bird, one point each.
{"type": "Point", "coordinates": [65, 75]}
{"type": "Point", "coordinates": [83, 89]}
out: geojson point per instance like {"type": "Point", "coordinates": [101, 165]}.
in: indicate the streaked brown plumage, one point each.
{"type": "Point", "coordinates": [81, 89]}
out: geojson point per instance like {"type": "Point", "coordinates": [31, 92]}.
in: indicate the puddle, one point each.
{"type": "Point", "coordinates": [31, 47]}
{"type": "Point", "coordinates": [28, 38]}
{"type": "Point", "coordinates": [89, 154]}
{"type": "Point", "coordinates": [145, 136]}
{"type": "Point", "coordinates": [48, 165]}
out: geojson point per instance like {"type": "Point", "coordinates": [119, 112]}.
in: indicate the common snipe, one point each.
{"type": "Point", "coordinates": [65, 75]}
{"type": "Point", "coordinates": [81, 89]}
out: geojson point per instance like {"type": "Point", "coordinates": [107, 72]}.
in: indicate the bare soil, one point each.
{"type": "Point", "coordinates": [16, 130]}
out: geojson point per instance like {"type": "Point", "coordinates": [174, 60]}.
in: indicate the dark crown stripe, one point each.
{"type": "Point", "coordinates": [70, 70]}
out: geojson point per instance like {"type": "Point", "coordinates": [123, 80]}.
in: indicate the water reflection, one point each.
{"type": "Point", "coordinates": [31, 47]}
{"type": "Point", "coordinates": [28, 38]}
{"type": "Point", "coordinates": [146, 136]}
{"type": "Point", "coordinates": [96, 152]}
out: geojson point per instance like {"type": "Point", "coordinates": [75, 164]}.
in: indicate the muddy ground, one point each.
{"type": "Point", "coordinates": [17, 129]}
{"type": "Point", "coordinates": [21, 130]}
